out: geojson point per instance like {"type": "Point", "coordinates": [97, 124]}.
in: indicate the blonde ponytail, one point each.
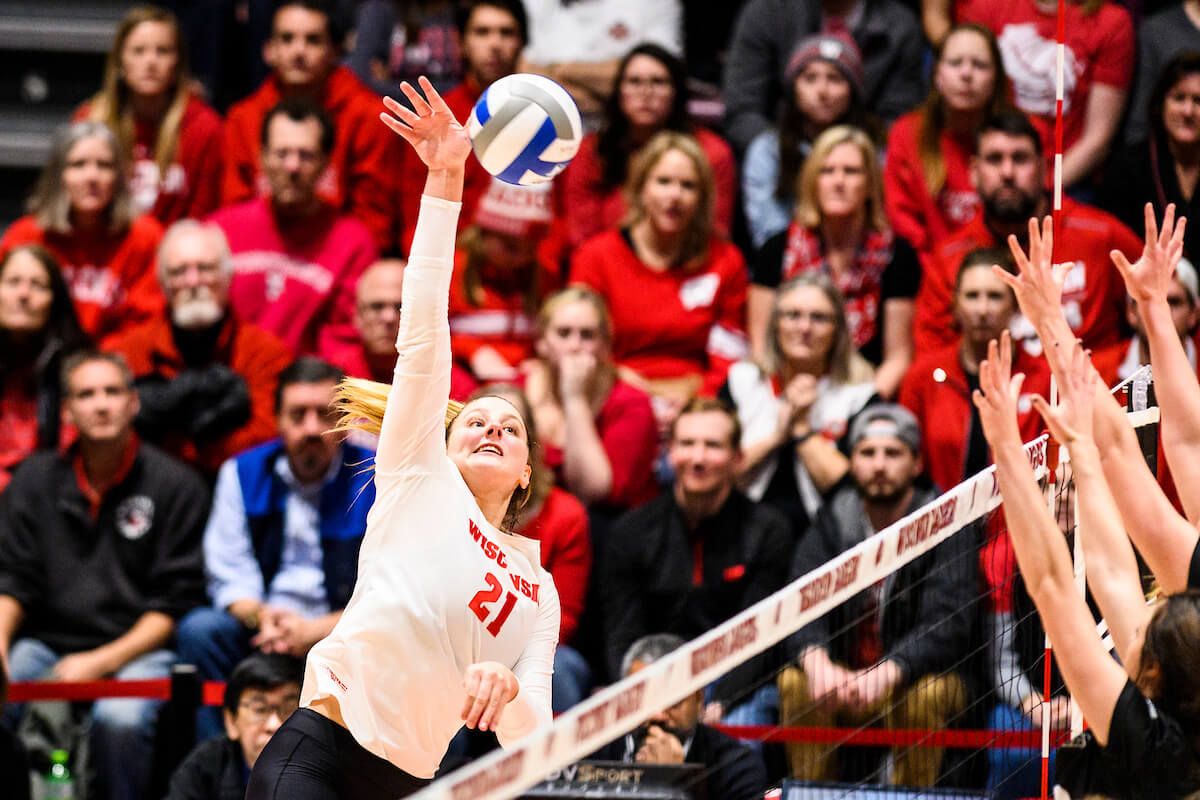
{"type": "Point", "coordinates": [360, 405]}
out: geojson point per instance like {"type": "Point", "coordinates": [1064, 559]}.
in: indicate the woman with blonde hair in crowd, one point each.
{"type": "Point", "coordinates": [796, 405]}
{"type": "Point", "coordinates": [170, 136]}
{"type": "Point", "coordinates": [927, 189]}
{"type": "Point", "coordinates": [676, 288]}
{"type": "Point", "coordinates": [840, 229]}
{"type": "Point", "coordinates": [597, 432]}
{"type": "Point", "coordinates": [82, 212]}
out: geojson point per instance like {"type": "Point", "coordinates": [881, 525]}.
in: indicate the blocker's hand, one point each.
{"type": "Point", "coordinates": [996, 397]}
{"type": "Point", "coordinates": [429, 126]}
{"type": "Point", "coordinates": [1148, 280]}
{"type": "Point", "coordinates": [490, 687]}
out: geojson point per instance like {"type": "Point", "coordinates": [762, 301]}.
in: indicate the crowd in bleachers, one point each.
{"type": "Point", "coordinates": [746, 340]}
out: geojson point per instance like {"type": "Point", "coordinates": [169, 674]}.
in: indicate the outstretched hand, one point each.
{"type": "Point", "coordinates": [1149, 278]}
{"type": "Point", "coordinates": [1039, 284]}
{"type": "Point", "coordinates": [429, 126]}
{"type": "Point", "coordinates": [1071, 419]}
{"type": "Point", "coordinates": [996, 397]}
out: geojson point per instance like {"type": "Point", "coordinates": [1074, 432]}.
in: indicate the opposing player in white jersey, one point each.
{"type": "Point", "coordinates": [453, 621]}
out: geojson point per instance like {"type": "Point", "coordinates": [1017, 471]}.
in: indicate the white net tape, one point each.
{"type": "Point", "coordinates": [626, 704]}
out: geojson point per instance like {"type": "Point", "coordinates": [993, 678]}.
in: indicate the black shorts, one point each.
{"type": "Point", "coordinates": [311, 757]}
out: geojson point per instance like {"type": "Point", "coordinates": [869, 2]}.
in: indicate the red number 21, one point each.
{"type": "Point", "coordinates": [491, 595]}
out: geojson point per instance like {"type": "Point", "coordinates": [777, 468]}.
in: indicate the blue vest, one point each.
{"type": "Point", "coordinates": [345, 501]}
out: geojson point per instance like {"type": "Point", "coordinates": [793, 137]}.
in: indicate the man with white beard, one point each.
{"type": "Point", "coordinates": [206, 379]}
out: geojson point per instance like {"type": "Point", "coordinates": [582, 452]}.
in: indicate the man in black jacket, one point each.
{"type": "Point", "coordinates": [99, 556]}
{"type": "Point", "coordinates": [696, 556]}
{"type": "Point", "coordinates": [888, 651]}
{"type": "Point", "coordinates": [261, 694]}
{"type": "Point", "coordinates": [675, 735]}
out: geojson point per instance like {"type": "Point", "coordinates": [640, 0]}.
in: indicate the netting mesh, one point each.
{"type": "Point", "coordinates": [912, 664]}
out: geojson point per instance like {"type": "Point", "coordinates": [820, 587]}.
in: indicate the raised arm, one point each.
{"type": "Point", "coordinates": [1148, 282]}
{"type": "Point", "coordinates": [1095, 680]}
{"type": "Point", "coordinates": [1112, 572]}
{"type": "Point", "coordinates": [1165, 539]}
{"type": "Point", "coordinates": [413, 425]}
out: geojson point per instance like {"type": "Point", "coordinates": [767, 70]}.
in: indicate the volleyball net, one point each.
{"type": "Point", "coordinates": [980, 720]}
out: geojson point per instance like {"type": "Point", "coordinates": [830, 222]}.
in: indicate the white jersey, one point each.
{"type": "Point", "coordinates": [439, 588]}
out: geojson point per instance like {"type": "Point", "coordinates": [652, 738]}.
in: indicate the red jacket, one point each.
{"type": "Point", "coordinates": [411, 183]}
{"type": "Point", "coordinates": [111, 276]}
{"type": "Point", "coordinates": [353, 361]}
{"type": "Point", "coordinates": [297, 281]}
{"type": "Point", "coordinates": [566, 548]}
{"type": "Point", "coordinates": [629, 435]}
{"type": "Point", "coordinates": [246, 349]}
{"type": "Point", "coordinates": [588, 210]}
{"type": "Point", "coordinates": [944, 407]}
{"type": "Point", "coordinates": [1094, 295]}
{"type": "Point", "coordinates": [192, 185]}
{"type": "Point", "coordinates": [918, 216]}
{"type": "Point", "coordinates": [500, 320]}
{"type": "Point", "coordinates": [361, 177]}
{"type": "Point", "coordinates": [673, 323]}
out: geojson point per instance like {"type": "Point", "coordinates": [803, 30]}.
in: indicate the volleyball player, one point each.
{"type": "Point", "coordinates": [1167, 541]}
{"type": "Point", "coordinates": [453, 621]}
{"type": "Point", "coordinates": [1143, 726]}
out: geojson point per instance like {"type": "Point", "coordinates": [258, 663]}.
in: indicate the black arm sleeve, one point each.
{"type": "Point", "coordinates": [622, 592]}
{"type": "Point", "coordinates": [22, 565]}
{"type": "Point", "coordinates": [177, 576]}
{"type": "Point", "coordinates": [902, 278]}
{"type": "Point", "coordinates": [768, 263]}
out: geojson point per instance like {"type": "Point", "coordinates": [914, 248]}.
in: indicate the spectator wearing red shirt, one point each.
{"type": "Point", "coordinates": [492, 33]}
{"type": "Point", "coordinates": [559, 522]}
{"type": "Point", "coordinates": [38, 330]}
{"type": "Point", "coordinates": [81, 211]}
{"type": "Point", "coordinates": [596, 432]}
{"type": "Point", "coordinates": [171, 137]}
{"type": "Point", "coordinates": [927, 189]}
{"type": "Point", "coordinates": [505, 266]}
{"type": "Point", "coordinates": [377, 320]}
{"type": "Point", "coordinates": [1097, 72]}
{"type": "Point", "coordinates": [649, 95]}
{"type": "Point", "coordinates": [358, 176]}
{"type": "Point", "coordinates": [839, 228]}
{"type": "Point", "coordinates": [938, 387]}
{"type": "Point", "coordinates": [206, 380]}
{"type": "Point", "coordinates": [675, 288]}
{"type": "Point", "coordinates": [296, 259]}
{"type": "Point", "coordinates": [1009, 174]}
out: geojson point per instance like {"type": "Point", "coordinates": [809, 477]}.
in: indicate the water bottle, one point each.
{"type": "Point", "coordinates": [58, 783]}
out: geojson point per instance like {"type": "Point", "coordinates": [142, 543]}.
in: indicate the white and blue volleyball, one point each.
{"type": "Point", "coordinates": [525, 129]}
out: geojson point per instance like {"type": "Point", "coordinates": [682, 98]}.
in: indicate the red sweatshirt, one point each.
{"type": "Point", "coordinates": [192, 185]}
{"type": "Point", "coordinates": [918, 216]}
{"type": "Point", "coordinates": [297, 280]}
{"type": "Point", "coordinates": [361, 177]}
{"type": "Point", "coordinates": [589, 210]}
{"type": "Point", "coordinates": [354, 361]}
{"type": "Point", "coordinates": [411, 183]}
{"type": "Point", "coordinates": [1099, 49]}
{"type": "Point", "coordinates": [1093, 297]}
{"type": "Point", "coordinates": [246, 349]}
{"type": "Point", "coordinates": [673, 323]}
{"type": "Point", "coordinates": [629, 436]}
{"type": "Point", "coordinates": [562, 529]}
{"type": "Point", "coordinates": [500, 320]}
{"type": "Point", "coordinates": [112, 277]}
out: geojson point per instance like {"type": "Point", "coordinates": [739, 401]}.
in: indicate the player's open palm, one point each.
{"type": "Point", "coordinates": [1072, 418]}
{"type": "Point", "coordinates": [1038, 284]}
{"type": "Point", "coordinates": [429, 126]}
{"type": "Point", "coordinates": [996, 397]}
{"type": "Point", "coordinates": [1149, 278]}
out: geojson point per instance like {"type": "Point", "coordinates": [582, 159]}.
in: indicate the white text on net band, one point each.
{"type": "Point", "coordinates": [626, 704]}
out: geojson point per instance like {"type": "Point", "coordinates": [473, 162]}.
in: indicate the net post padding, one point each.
{"type": "Point", "coordinates": [629, 702]}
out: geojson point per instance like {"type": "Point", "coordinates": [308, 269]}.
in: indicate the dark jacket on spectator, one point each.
{"type": "Point", "coordinates": [1145, 173]}
{"type": "Point", "coordinates": [734, 771]}
{"type": "Point", "coordinates": [660, 577]}
{"type": "Point", "coordinates": [215, 770]}
{"type": "Point", "coordinates": [924, 607]}
{"type": "Point", "coordinates": [889, 37]}
{"type": "Point", "coordinates": [84, 574]}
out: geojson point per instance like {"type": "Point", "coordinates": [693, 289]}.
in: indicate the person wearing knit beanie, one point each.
{"type": "Point", "coordinates": [836, 49]}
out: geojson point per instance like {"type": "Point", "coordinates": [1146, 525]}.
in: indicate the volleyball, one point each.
{"type": "Point", "coordinates": [525, 129]}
